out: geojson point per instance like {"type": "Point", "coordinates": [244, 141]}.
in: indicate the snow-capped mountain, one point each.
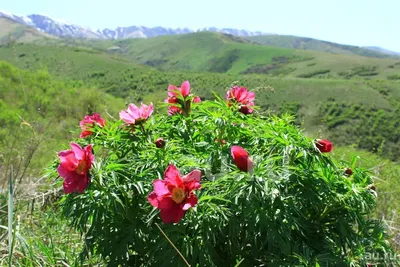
{"type": "Point", "coordinates": [235, 32]}
{"type": "Point", "coordinates": [140, 32]}
{"type": "Point", "coordinates": [64, 29]}
{"type": "Point", "coordinates": [61, 28]}
{"type": "Point", "coordinates": [20, 19]}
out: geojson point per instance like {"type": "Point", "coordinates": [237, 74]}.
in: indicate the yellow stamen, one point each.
{"type": "Point", "coordinates": [81, 167]}
{"type": "Point", "coordinates": [178, 194]}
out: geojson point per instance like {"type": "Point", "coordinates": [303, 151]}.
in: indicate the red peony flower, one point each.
{"type": "Point", "coordinates": [172, 110]}
{"type": "Point", "coordinates": [182, 97]}
{"type": "Point", "coordinates": [160, 143]}
{"type": "Point", "coordinates": [88, 122]}
{"type": "Point", "coordinates": [243, 97]}
{"type": "Point", "coordinates": [134, 115]}
{"type": "Point", "coordinates": [74, 168]}
{"type": "Point", "coordinates": [324, 146]}
{"type": "Point", "coordinates": [174, 195]}
{"type": "Point", "coordinates": [241, 159]}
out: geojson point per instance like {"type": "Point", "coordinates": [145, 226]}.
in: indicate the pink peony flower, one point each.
{"type": "Point", "coordinates": [182, 97]}
{"type": "Point", "coordinates": [74, 167]}
{"type": "Point", "coordinates": [324, 145]}
{"type": "Point", "coordinates": [134, 115]}
{"type": "Point", "coordinates": [88, 122]}
{"type": "Point", "coordinates": [174, 195]}
{"type": "Point", "coordinates": [241, 159]}
{"type": "Point", "coordinates": [183, 91]}
{"type": "Point", "coordinates": [243, 97]}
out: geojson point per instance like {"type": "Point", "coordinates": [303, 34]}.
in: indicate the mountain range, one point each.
{"type": "Point", "coordinates": [64, 29]}
{"type": "Point", "coordinates": [61, 28]}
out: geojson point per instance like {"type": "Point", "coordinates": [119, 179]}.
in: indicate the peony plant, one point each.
{"type": "Point", "coordinates": [215, 183]}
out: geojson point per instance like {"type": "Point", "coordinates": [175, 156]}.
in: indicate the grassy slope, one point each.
{"type": "Point", "coordinates": [13, 31]}
{"type": "Point", "coordinates": [213, 52]}
{"type": "Point", "coordinates": [136, 83]}
{"type": "Point", "coordinates": [303, 43]}
{"type": "Point", "coordinates": [37, 110]}
{"type": "Point", "coordinates": [206, 51]}
{"type": "Point", "coordinates": [122, 78]}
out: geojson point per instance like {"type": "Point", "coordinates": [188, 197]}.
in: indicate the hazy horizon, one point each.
{"type": "Point", "coordinates": [353, 23]}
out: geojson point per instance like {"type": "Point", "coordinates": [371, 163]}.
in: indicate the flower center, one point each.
{"type": "Point", "coordinates": [178, 194]}
{"type": "Point", "coordinates": [81, 167]}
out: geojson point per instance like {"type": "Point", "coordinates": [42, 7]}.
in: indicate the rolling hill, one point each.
{"type": "Point", "coordinates": [215, 52]}
{"type": "Point", "coordinates": [304, 43]}
{"type": "Point", "coordinates": [12, 31]}
{"type": "Point", "coordinates": [338, 95]}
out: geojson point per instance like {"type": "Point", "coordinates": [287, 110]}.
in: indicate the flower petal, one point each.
{"type": "Point", "coordinates": [173, 176]}
{"type": "Point", "coordinates": [172, 110]}
{"type": "Point", "coordinates": [196, 99]}
{"type": "Point", "coordinates": [134, 111]}
{"type": "Point", "coordinates": [78, 151]}
{"type": "Point", "coordinates": [85, 133]}
{"type": "Point", "coordinates": [152, 198]}
{"type": "Point", "coordinates": [191, 201]}
{"type": "Point", "coordinates": [172, 215]}
{"type": "Point", "coordinates": [68, 156]}
{"type": "Point", "coordinates": [66, 170]}
{"type": "Point", "coordinates": [172, 90]}
{"type": "Point", "coordinates": [166, 202]}
{"type": "Point", "coordinates": [192, 180]}
{"type": "Point", "coordinates": [123, 115]}
{"type": "Point", "coordinates": [160, 188]}
{"type": "Point", "coordinates": [241, 159]}
{"type": "Point", "coordinates": [185, 88]}
{"type": "Point", "coordinates": [89, 157]}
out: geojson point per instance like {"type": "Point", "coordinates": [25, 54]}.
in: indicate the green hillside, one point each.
{"type": "Point", "coordinates": [11, 31]}
{"type": "Point", "coordinates": [304, 43]}
{"type": "Point", "coordinates": [221, 53]}
{"type": "Point", "coordinates": [37, 111]}
{"type": "Point", "coordinates": [212, 52]}
{"type": "Point", "coordinates": [341, 107]}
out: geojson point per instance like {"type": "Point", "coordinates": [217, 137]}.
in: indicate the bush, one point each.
{"type": "Point", "coordinates": [286, 204]}
{"type": "Point", "coordinates": [394, 77]}
{"type": "Point", "coordinates": [312, 74]}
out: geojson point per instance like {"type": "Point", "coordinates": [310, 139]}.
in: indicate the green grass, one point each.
{"type": "Point", "coordinates": [11, 31]}
{"type": "Point", "coordinates": [354, 80]}
{"type": "Point", "coordinates": [303, 43]}
{"type": "Point", "coordinates": [35, 114]}
{"type": "Point", "coordinates": [214, 52]}
{"type": "Point", "coordinates": [111, 73]}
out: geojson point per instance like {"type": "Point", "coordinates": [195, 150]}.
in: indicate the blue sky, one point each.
{"type": "Point", "coordinates": [356, 22]}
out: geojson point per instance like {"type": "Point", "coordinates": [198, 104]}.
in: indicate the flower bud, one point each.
{"type": "Point", "coordinates": [160, 143]}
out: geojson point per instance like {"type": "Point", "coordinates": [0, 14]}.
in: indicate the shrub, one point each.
{"type": "Point", "coordinates": [232, 186]}
{"type": "Point", "coordinates": [312, 74]}
{"type": "Point", "coordinates": [394, 77]}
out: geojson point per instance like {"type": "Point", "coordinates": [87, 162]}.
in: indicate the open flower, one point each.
{"type": "Point", "coordinates": [174, 195]}
{"type": "Point", "coordinates": [176, 92]}
{"type": "Point", "coordinates": [74, 167]}
{"type": "Point", "coordinates": [241, 159]}
{"type": "Point", "coordinates": [243, 97]}
{"type": "Point", "coordinates": [182, 98]}
{"type": "Point", "coordinates": [134, 115]}
{"type": "Point", "coordinates": [324, 145]}
{"type": "Point", "coordinates": [88, 122]}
